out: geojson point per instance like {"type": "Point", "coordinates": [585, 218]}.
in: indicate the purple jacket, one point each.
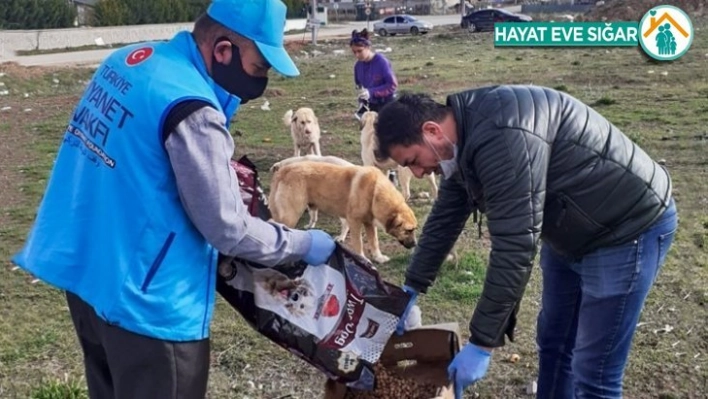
{"type": "Point", "coordinates": [376, 76]}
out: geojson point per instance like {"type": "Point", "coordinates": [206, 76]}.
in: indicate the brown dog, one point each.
{"type": "Point", "coordinates": [313, 212]}
{"type": "Point", "coordinates": [360, 194]}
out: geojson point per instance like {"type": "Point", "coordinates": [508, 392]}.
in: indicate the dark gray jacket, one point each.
{"type": "Point", "coordinates": [539, 164]}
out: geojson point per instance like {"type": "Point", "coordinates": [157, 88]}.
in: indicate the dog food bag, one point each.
{"type": "Point", "coordinates": [338, 317]}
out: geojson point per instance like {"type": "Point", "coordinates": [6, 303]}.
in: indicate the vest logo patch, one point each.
{"type": "Point", "coordinates": [138, 56]}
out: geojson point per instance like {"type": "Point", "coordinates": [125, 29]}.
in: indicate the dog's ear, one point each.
{"type": "Point", "coordinates": [392, 222]}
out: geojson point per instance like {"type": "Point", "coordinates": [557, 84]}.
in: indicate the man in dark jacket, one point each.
{"type": "Point", "coordinates": [539, 164]}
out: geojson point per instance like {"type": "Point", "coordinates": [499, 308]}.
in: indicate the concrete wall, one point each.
{"type": "Point", "coordinates": [14, 40]}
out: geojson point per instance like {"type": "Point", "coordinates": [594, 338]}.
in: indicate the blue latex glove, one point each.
{"type": "Point", "coordinates": [468, 367]}
{"type": "Point", "coordinates": [401, 327]}
{"type": "Point", "coordinates": [321, 248]}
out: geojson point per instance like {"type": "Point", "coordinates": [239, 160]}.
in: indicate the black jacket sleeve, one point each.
{"type": "Point", "coordinates": [511, 166]}
{"type": "Point", "coordinates": [443, 226]}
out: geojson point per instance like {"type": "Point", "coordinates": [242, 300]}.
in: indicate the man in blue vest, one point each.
{"type": "Point", "coordinates": [142, 200]}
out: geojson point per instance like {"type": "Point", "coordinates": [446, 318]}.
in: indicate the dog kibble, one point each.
{"type": "Point", "coordinates": [391, 386]}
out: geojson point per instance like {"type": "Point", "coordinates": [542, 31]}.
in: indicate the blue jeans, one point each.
{"type": "Point", "coordinates": [590, 309]}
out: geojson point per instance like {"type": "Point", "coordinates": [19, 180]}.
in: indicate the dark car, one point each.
{"type": "Point", "coordinates": [485, 19]}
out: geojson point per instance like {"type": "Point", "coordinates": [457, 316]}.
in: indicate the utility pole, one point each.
{"type": "Point", "coordinates": [314, 21]}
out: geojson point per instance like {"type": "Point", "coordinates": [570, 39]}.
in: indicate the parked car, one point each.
{"type": "Point", "coordinates": [401, 24]}
{"type": "Point", "coordinates": [484, 19]}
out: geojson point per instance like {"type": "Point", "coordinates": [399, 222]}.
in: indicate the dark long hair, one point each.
{"type": "Point", "coordinates": [360, 38]}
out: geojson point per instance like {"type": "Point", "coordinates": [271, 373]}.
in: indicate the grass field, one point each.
{"type": "Point", "coordinates": [662, 106]}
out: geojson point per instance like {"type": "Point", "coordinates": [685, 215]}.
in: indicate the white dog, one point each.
{"type": "Point", "coordinates": [369, 144]}
{"type": "Point", "coordinates": [305, 131]}
{"type": "Point", "coordinates": [297, 296]}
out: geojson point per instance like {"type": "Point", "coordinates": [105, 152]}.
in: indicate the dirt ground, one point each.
{"type": "Point", "coordinates": [16, 141]}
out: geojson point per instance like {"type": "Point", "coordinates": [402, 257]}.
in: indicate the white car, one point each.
{"type": "Point", "coordinates": [401, 24]}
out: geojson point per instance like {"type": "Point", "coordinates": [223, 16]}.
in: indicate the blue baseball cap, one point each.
{"type": "Point", "coordinates": [262, 21]}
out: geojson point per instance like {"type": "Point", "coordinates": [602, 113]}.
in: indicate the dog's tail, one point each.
{"type": "Point", "coordinates": [288, 118]}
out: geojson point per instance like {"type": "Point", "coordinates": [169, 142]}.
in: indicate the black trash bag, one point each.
{"type": "Point", "coordinates": [336, 317]}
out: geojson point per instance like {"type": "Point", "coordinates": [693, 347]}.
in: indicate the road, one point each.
{"type": "Point", "coordinates": [93, 57]}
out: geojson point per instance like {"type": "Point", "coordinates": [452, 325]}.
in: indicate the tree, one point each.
{"type": "Point", "coordinates": [295, 8]}
{"type": "Point", "coordinates": [177, 11]}
{"type": "Point", "coordinates": [110, 13]}
{"type": "Point", "coordinates": [195, 8]}
{"type": "Point", "coordinates": [57, 14]}
{"type": "Point", "coordinates": [36, 14]}
{"type": "Point", "coordinates": [12, 15]}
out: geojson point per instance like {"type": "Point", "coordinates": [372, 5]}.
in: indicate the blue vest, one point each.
{"type": "Point", "coordinates": [111, 227]}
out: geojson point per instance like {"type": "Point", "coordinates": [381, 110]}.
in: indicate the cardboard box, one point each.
{"type": "Point", "coordinates": [422, 354]}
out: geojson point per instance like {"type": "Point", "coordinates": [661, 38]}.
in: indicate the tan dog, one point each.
{"type": "Point", "coordinates": [360, 194]}
{"type": "Point", "coordinates": [369, 144]}
{"type": "Point", "coordinates": [312, 212]}
{"type": "Point", "coordinates": [312, 158]}
{"type": "Point", "coordinates": [304, 129]}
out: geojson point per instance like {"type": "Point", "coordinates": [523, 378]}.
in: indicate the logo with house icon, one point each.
{"type": "Point", "coordinates": [666, 33]}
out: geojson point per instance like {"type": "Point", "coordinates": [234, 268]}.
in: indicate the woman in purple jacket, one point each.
{"type": "Point", "coordinates": [373, 75]}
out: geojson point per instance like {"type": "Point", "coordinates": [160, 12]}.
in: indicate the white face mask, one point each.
{"type": "Point", "coordinates": [447, 166]}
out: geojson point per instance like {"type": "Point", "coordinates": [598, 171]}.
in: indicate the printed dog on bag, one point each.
{"type": "Point", "coordinates": [296, 295]}
{"type": "Point", "coordinates": [310, 298]}
{"type": "Point", "coordinates": [337, 317]}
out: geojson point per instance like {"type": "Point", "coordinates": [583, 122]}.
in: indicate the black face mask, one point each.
{"type": "Point", "coordinates": [234, 79]}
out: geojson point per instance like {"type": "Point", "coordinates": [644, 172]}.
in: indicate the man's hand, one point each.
{"type": "Point", "coordinates": [321, 248]}
{"type": "Point", "coordinates": [401, 327]}
{"type": "Point", "coordinates": [364, 95]}
{"type": "Point", "coordinates": [468, 367]}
